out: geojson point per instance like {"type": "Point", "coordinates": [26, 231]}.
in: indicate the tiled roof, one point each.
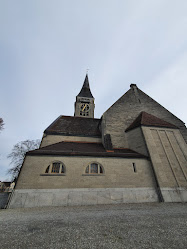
{"type": "Point", "coordinates": [147, 119]}
{"type": "Point", "coordinates": [75, 126]}
{"type": "Point", "coordinates": [84, 149]}
{"type": "Point", "coordinates": [85, 91]}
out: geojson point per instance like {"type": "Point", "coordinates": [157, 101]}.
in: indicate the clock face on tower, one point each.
{"type": "Point", "coordinates": [84, 109]}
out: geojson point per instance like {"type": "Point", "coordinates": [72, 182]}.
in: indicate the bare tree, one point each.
{"type": "Point", "coordinates": [1, 124]}
{"type": "Point", "coordinates": [18, 154]}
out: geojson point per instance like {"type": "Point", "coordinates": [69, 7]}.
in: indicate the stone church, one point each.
{"type": "Point", "coordinates": [136, 152]}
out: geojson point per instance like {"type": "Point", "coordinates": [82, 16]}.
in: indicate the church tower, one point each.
{"type": "Point", "coordinates": [84, 105]}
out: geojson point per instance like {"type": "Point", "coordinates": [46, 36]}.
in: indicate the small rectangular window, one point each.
{"type": "Point", "coordinates": [134, 167]}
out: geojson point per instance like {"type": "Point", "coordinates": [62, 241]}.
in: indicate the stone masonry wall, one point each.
{"type": "Point", "coordinates": [24, 198]}
{"type": "Point", "coordinates": [124, 111]}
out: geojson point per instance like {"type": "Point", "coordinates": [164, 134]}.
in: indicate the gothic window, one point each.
{"type": "Point", "coordinates": [94, 168]}
{"type": "Point", "coordinates": [55, 168]}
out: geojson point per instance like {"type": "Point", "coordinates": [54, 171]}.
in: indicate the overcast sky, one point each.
{"type": "Point", "coordinates": [47, 45]}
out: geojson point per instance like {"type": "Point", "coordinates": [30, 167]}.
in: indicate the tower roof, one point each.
{"type": "Point", "coordinates": [85, 91]}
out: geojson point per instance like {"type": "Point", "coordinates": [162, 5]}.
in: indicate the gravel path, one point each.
{"type": "Point", "coordinates": [97, 227]}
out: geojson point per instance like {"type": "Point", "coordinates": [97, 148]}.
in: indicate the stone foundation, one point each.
{"type": "Point", "coordinates": [174, 194]}
{"type": "Point", "coordinates": [24, 198]}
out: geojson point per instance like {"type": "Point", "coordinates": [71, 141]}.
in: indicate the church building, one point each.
{"type": "Point", "coordinates": [136, 152]}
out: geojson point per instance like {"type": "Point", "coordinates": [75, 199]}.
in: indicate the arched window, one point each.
{"type": "Point", "coordinates": [55, 168]}
{"type": "Point", "coordinates": [94, 168]}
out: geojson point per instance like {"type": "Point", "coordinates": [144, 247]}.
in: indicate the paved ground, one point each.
{"type": "Point", "coordinates": [97, 227]}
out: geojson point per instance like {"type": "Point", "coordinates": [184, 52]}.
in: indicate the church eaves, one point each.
{"type": "Point", "coordinates": [83, 149]}
{"type": "Point", "coordinates": [85, 91]}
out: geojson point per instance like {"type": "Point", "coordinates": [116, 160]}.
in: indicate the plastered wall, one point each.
{"type": "Point", "coordinates": [118, 173]}
{"type": "Point", "coordinates": [136, 141]}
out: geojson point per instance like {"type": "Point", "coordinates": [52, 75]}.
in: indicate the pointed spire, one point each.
{"type": "Point", "coordinates": [85, 91]}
